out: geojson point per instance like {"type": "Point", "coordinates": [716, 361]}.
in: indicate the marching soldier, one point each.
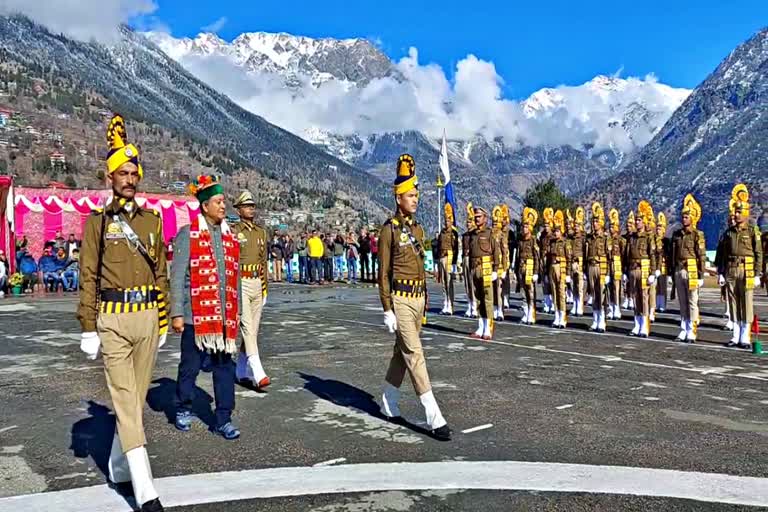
{"type": "Point", "coordinates": [617, 250]}
{"type": "Point", "coordinates": [402, 287]}
{"type": "Point", "coordinates": [122, 311]}
{"type": "Point", "coordinates": [597, 254]}
{"type": "Point", "coordinates": [577, 264]}
{"type": "Point", "coordinates": [742, 257]}
{"type": "Point", "coordinates": [558, 258]}
{"type": "Point", "coordinates": [485, 260]}
{"type": "Point", "coordinates": [640, 268]}
{"type": "Point", "coordinates": [527, 265]}
{"type": "Point", "coordinates": [687, 267]}
{"type": "Point", "coordinates": [498, 238]}
{"type": "Point", "coordinates": [629, 291]}
{"type": "Point", "coordinates": [253, 241]}
{"type": "Point", "coordinates": [469, 286]}
{"type": "Point", "coordinates": [448, 252]}
{"type": "Point", "coordinates": [721, 266]}
{"type": "Point", "coordinates": [544, 238]}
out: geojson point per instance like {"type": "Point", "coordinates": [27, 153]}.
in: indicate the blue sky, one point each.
{"type": "Point", "coordinates": [532, 44]}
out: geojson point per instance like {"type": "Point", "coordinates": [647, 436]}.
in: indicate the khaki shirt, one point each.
{"type": "Point", "coordinates": [526, 250]}
{"type": "Point", "coordinates": [122, 266]}
{"type": "Point", "coordinates": [597, 246]}
{"type": "Point", "coordinates": [544, 239]}
{"type": "Point", "coordinates": [482, 244]}
{"type": "Point", "coordinates": [687, 245]}
{"type": "Point", "coordinates": [466, 241]}
{"type": "Point", "coordinates": [640, 246]}
{"type": "Point", "coordinates": [577, 244]}
{"type": "Point", "coordinates": [557, 251]}
{"type": "Point", "coordinates": [399, 257]}
{"type": "Point", "coordinates": [253, 249]}
{"type": "Point", "coordinates": [741, 241]}
{"type": "Point", "coordinates": [449, 241]}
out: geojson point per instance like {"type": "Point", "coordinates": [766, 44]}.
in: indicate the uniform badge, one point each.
{"type": "Point", "coordinates": [403, 237]}
{"type": "Point", "coordinates": [241, 238]}
{"type": "Point", "coordinates": [129, 152]}
{"type": "Point", "coordinates": [114, 231]}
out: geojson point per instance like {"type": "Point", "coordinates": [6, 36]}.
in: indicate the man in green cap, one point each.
{"type": "Point", "coordinates": [253, 267]}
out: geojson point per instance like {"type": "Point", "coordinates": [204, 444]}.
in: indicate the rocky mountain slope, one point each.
{"type": "Point", "coordinates": [137, 79]}
{"type": "Point", "coordinates": [716, 139]}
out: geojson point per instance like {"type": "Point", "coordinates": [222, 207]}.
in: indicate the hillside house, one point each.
{"type": "Point", "coordinates": [58, 159]}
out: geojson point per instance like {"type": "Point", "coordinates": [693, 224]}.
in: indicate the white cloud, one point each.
{"type": "Point", "coordinates": [216, 25]}
{"type": "Point", "coordinates": [428, 101]}
{"type": "Point", "coordinates": [80, 19]}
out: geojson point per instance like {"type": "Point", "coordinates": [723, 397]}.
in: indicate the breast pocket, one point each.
{"type": "Point", "coordinates": [485, 244]}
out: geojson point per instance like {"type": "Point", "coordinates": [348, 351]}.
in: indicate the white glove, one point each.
{"type": "Point", "coordinates": [721, 280]}
{"type": "Point", "coordinates": [567, 279]}
{"type": "Point", "coordinates": [264, 301]}
{"type": "Point", "coordinates": [162, 339]}
{"type": "Point", "coordinates": [535, 278]}
{"type": "Point", "coordinates": [651, 279]}
{"type": "Point", "coordinates": [658, 273]}
{"type": "Point", "coordinates": [494, 276]}
{"type": "Point", "coordinates": [699, 283]}
{"type": "Point", "coordinates": [390, 321]}
{"type": "Point", "coordinates": [624, 278]}
{"type": "Point", "coordinates": [607, 280]}
{"type": "Point", "coordinates": [90, 344]}
{"type": "Point", "coordinates": [669, 281]}
{"type": "Point", "coordinates": [757, 282]}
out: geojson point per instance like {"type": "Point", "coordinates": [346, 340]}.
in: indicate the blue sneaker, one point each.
{"type": "Point", "coordinates": [228, 431]}
{"type": "Point", "coordinates": [184, 420]}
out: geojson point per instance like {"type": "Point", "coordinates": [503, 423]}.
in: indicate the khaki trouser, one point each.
{"type": "Point", "coordinates": [596, 285]}
{"type": "Point", "coordinates": [661, 290]}
{"type": "Point", "coordinates": [577, 284]}
{"type": "Point", "coordinates": [506, 286]}
{"type": "Point", "coordinates": [641, 294]}
{"type": "Point", "coordinates": [484, 294]}
{"type": "Point", "coordinates": [557, 286]}
{"type": "Point", "coordinates": [408, 354]}
{"type": "Point", "coordinates": [129, 348]}
{"type": "Point", "coordinates": [528, 290]}
{"type": "Point", "coordinates": [251, 317]}
{"type": "Point", "coordinates": [469, 287]}
{"type": "Point", "coordinates": [615, 290]}
{"type": "Point", "coordinates": [629, 288]}
{"type": "Point", "coordinates": [446, 278]}
{"type": "Point", "coordinates": [277, 268]}
{"type": "Point", "coordinates": [652, 297]}
{"type": "Point", "coordinates": [740, 295]}
{"type": "Point", "coordinates": [688, 299]}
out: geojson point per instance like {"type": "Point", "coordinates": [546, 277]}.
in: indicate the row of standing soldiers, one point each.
{"type": "Point", "coordinates": [601, 266]}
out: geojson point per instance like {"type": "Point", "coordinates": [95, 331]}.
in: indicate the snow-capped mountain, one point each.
{"type": "Point", "coordinates": [351, 60]}
{"type": "Point", "coordinates": [713, 141]}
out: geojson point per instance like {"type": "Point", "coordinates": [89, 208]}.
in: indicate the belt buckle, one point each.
{"type": "Point", "coordinates": [135, 297]}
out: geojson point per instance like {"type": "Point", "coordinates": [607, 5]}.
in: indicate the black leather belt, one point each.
{"type": "Point", "coordinates": [129, 296]}
{"type": "Point", "coordinates": [414, 289]}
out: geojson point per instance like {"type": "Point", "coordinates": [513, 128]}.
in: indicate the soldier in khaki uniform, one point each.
{"type": "Point", "coordinates": [640, 268]}
{"type": "Point", "coordinates": [122, 311]}
{"type": "Point", "coordinates": [559, 257]}
{"type": "Point", "coordinates": [663, 250]}
{"type": "Point", "coordinates": [466, 239]}
{"type": "Point", "coordinates": [506, 257]}
{"type": "Point", "coordinates": [687, 266]}
{"type": "Point", "coordinates": [485, 260]}
{"type": "Point", "coordinates": [448, 252]}
{"type": "Point", "coordinates": [544, 238]}
{"type": "Point", "coordinates": [629, 290]}
{"type": "Point", "coordinates": [578, 263]}
{"type": "Point", "coordinates": [253, 241]}
{"type": "Point", "coordinates": [597, 254]}
{"type": "Point", "coordinates": [402, 287]}
{"type": "Point", "coordinates": [498, 238]}
{"type": "Point", "coordinates": [743, 258]}
{"type": "Point", "coordinates": [616, 267]}
{"type": "Point", "coordinates": [527, 265]}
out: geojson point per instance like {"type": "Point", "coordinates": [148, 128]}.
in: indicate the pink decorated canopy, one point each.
{"type": "Point", "coordinates": [40, 212]}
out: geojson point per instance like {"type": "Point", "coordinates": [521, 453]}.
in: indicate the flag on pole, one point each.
{"type": "Point", "coordinates": [449, 198]}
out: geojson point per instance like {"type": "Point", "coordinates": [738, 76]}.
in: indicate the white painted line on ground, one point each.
{"type": "Point", "coordinates": [476, 429]}
{"type": "Point", "coordinates": [358, 478]}
{"type": "Point", "coordinates": [565, 406]}
{"type": "Point", "coordinates": [541, 348]}
{"type": "Point", "coordinates": [6, 429]}
{"type": "Point", "coordinates": [330, 462]}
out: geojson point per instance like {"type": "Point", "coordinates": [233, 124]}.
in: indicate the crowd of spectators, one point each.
{"type": "Point", "coordinates": [325, 257]}
{"type": "Point", "coordinates": [57, 268]}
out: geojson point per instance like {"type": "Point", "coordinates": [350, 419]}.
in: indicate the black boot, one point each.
{"type": "Point", "coordinates": [152, 506]}
{"type": "Point", "coordinates": [441, 434]}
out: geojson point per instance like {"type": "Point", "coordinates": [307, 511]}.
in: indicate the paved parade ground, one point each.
{"type": "Point", "coordinates": [543, 419]}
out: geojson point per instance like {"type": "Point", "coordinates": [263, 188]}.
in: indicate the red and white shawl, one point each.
{"type": "Point", "coordinates": [208, 316]}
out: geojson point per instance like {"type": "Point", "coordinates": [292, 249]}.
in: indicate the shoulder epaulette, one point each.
{"type": "Point", "coordinates": [393, 221]}
{"type": "Point", "coordinates": [97, 211]}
